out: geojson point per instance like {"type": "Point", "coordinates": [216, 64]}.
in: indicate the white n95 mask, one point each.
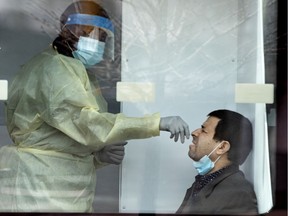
{"type": "Point", "coordinates": [89, 51]}
{"type": "Point", "coordinates": [204, 165]}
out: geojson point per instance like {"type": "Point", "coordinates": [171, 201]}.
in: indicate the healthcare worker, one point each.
{"type": "Point", "coordinates": [59, 123]}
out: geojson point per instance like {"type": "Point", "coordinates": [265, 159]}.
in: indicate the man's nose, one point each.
{"type": "Point", "coordinates": [195, 132]}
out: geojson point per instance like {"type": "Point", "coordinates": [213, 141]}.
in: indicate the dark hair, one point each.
{"type": "Point", "coordinates": [66, 40]}
{"type": "Point", "coordinates": [237, 130]}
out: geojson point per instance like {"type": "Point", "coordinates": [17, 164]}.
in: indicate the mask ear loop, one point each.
{"type": "Point", "coordinates": [69, 46]}
{"type": "Point", "coordinates": [213, 151]}
{"type": "Point", "coordinates": [217, 159]}
{"type": "Point", "coordinates": [64, 26]}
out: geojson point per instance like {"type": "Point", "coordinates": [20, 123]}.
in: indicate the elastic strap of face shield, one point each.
{"type": "Point", "coordinates": [92, 20]}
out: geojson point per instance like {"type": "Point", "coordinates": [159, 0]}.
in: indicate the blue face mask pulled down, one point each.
{"type": "Point", "coordinates": [89, 51]}
{"type": "Point", "coordinates": [204, 165]}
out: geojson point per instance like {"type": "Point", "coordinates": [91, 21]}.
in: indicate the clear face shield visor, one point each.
{"type": "Point", "coordinates": [94, 27]}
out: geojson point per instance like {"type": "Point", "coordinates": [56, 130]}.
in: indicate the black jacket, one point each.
{"type": "Point", "coordinates": [230, 193]}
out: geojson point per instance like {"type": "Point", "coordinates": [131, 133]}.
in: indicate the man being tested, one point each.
{"type": "Point", "coordinates": [58, 120]}
{"type": "Point", "coordinates": [218, 148]}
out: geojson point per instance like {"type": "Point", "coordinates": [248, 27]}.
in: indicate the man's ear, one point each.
{"type": "Point", "coordinates": [223, 148]}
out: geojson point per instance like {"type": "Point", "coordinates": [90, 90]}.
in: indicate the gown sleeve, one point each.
{"type": "Point", "coordinates": [70, 106]}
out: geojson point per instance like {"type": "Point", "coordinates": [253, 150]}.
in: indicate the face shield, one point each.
{"type": "Point", "coordinates": [94, 27]}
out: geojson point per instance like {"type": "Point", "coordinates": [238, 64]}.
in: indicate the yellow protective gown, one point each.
{"type": "Point", "coordinates": [56, 119]}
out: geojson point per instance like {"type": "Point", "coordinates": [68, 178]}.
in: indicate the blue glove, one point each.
{"type": "Point", "coordinates": [112, 154]}
{"type": "Point", "coordinates": [176, 126]}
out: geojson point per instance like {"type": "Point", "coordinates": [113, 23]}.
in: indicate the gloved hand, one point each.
{"type": "Point", "coordinates": [112, 154]}
{"type": "Point", "coordinates": [176, 126]}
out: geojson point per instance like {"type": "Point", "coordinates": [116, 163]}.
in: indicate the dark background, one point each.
{"type": "Point", "coordinates": [280, 207]}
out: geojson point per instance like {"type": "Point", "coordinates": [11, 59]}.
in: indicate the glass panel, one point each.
{"type": "Point", "coordinates": [194, 53]}
{"type": "Point", "coordinates": [169, 58]}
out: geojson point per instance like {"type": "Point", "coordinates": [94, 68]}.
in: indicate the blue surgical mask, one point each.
{"type": "Point", "coordinates": [205, 165]}
{"type": "Point", "coordinates": [89, 51]}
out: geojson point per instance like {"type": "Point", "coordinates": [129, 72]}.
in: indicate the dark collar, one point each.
{"type": "Point", "coordinates": [202, 180]}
